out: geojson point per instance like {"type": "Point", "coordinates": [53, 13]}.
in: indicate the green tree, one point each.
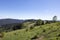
{"type": "Point", "coordinates": [38, 22]}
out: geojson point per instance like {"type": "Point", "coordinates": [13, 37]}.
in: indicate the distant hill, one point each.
{"type": "Point", "coordinates": [9, 21]}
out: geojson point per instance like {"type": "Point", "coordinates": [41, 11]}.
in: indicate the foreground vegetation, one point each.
{"type": "Point", "coordinates": [41, 32]}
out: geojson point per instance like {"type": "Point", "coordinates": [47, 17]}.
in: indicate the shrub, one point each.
{"type": "Point", "coordinates": [58, 35]}
{"type": "Point", "coordinates": [38, 22]}
{"type": "Point", "coordinates": [44, 30]}
{"type": "Point", "coordinates": [34, 37]}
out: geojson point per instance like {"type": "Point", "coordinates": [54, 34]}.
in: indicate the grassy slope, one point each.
{"type": "Point", "coordinates": [51, 33]}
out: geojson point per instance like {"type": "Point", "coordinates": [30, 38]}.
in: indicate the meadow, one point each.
{"type": "Point", "coordinates": [42, 32]}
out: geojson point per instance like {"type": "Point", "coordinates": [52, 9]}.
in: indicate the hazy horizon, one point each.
{"type": "Point", "coordinates": [29, 9]}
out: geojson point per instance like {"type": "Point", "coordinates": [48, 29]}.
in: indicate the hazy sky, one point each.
{"type": "Point", "coordinates": [29, 9]}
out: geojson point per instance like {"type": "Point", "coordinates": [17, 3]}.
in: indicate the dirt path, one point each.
{"type": "Point", "coordinates": [40, 38]}
{"type": "Point", "coordinates": [0, 38]}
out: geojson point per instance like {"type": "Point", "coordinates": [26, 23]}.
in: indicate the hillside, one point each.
{"type": "Point", "coordinates": [43, 32]}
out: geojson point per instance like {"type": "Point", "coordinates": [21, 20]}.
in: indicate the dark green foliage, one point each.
{"type": "Point", "coordinates": [7, 27]}
{"type": "Point", "coordinates": [31, 27]}
{"type": "Point", "coordinates": [26, 30]}
{"type": "Point", "coordinates": [17, 27]}
{"type": "Point", "coordinates": [11, 27]}
{"type": "Point", "coordinates": [47, 22]}
{"type": "Point", "coordinates": [58, 35]}
{"type": "Point", "coordinates": [44, 30]}
{"type": "Point", "coordinates": [34, 37]}
{"type": "Point", "coordinates": [30, 20]}
{"type": "Point", "coordinates": [43, 23]}
{"type": "Point", "coordinates": [56, 38]}
{"type": "Point", "coordinates": [15, 33]}
{"type": "Point", "coordinates": [38, 22]}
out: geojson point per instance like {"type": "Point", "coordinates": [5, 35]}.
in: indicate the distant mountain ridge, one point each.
{"type": "Point", "coordinates": [9, 21]}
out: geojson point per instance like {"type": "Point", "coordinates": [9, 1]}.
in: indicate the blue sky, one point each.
{"type": "Point", "coordinates": [30, 9]}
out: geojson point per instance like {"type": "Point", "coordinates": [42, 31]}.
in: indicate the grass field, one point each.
{"type": "Point", "coordinates": [43, 32]}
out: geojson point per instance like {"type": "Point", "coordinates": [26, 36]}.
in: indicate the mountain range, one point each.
{"type": "Point", "coordinates": [9, 21]}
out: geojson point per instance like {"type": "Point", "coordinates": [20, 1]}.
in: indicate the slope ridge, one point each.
{"type": "Point", "coordinates": [48, 31]}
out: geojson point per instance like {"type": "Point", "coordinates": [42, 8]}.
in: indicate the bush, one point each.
{"type": "Point", "coordinates": [34, 37]}
{"type": "Point", "coordinates": [58, 35]}
{"type": "Point", "coordinates": [44, 30]}
{"type": "Point", "coordinates": [38, 22]}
